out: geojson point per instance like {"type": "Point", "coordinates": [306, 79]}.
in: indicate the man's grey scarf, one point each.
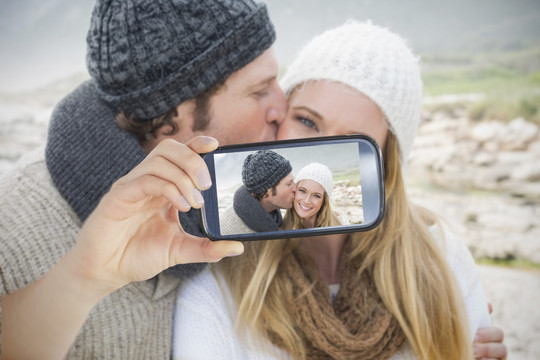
{"type": "Point", "coordinates": [253, 214]}
{"type": "Point", "coordinates": [87, 152]}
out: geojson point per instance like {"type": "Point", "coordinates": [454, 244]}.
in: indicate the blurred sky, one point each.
{"type": "Point", "coordinates": [41, 41]}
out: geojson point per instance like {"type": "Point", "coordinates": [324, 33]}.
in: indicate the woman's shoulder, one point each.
{"type": "Point", "coordinates": [452, 244]}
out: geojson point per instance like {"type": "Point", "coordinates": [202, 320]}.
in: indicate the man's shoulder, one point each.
{"type": "Point", "coordinates": [231, 223]}
{"type": "Point", "coordinates": [29, 182]}
{"type": "Point", "coordinates": [38, 226]}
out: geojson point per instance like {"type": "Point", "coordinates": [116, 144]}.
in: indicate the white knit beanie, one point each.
{"type": "Point", "coordinates": [319, 173]}
{"type": "Point", "coordinates": [373, 60]}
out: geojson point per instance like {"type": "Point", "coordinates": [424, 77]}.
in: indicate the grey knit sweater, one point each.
{"type": "Point", "coordinates": [37, 227]}
{"type": "Point", "coordinates": [42, 202]}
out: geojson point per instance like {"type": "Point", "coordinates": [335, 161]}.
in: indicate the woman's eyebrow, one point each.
{"type": "Point", "coordinates": [308, 109]}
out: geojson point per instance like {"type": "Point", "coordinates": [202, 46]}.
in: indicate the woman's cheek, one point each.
{"type": "Point", "coordinates": [284, 131]}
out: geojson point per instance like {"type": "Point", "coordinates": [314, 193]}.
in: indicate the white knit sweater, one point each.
{"type": "Point", "coordinates": [205, 314]}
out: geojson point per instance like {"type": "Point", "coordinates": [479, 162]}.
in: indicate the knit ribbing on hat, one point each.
{"type": "Point", "coordinates": [263, 170]}
{"type": "Point", "coordinates": [150, 56]}
{"type": "Point", "coordinates": [373, 60]}
{"type": "Point", "coordinates": [319, 173]}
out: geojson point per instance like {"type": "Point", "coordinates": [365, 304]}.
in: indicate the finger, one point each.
{"type": "Point", "coordinates": [490, 307]}
{"type": "Point", "coordinates": [121, 201]}
{"type": "Point", "coordinates": [181, 156]}
{"type": "Point", "coordinates": [162, 168]}
{"type": "Point", "coordinates": [196, 249]}
{"type": "Point", "coordinates": [203, 144]}
{"type": "Point", "coordinates": [186, 156]}
{"type": "Point", "coordinates": [488, 334]}
{"type": "Point", "coordinates": [489, 351]}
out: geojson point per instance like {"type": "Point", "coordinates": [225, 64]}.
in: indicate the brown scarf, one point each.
{"type": "Point", "coordinates": [357, 325]}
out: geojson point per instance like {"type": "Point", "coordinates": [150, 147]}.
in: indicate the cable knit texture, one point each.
{"type": "Point", "coordinates": [319, 173]}
{"type": "Point", "coordinates": [205, 314]}
{"type": "Point", "coordinates": [378, 63]}
{"type": "Point", "coordinates": [263, 170]}
{"type": "Point", "coordinates": [150, 56]}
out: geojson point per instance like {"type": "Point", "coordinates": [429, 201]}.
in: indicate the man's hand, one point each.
{"type": "Point", "coordinates": [134, 233]}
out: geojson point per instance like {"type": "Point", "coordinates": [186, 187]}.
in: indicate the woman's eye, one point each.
{"type": "Point", "coordinates": [307, 122]}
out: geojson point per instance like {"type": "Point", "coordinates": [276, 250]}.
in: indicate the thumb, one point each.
{"type": "Point", "coordinates": [203, 144]}
{"type": "Point", "coordinates": [194, 249]}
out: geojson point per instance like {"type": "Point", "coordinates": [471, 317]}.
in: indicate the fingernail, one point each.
{"type": "Point", "coordinates": [184, 202]}
{"type": "Point", "coordinates": [204, 179]}
{"type": "Point", "coordinates": [198, 197]}
{"type": "Point", "coordinates": [235, 253]}
{"type": "Point", "coordinates": [207, 139]}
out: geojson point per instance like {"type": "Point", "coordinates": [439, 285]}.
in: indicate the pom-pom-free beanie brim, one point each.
{"type": "Point", "coordinates": [263, 170]}
{"type": "Point", "coordinates": [319, 173]}
{"type": "Point", "coordinates": [372, 60]}
{"type": "Point", "coordinates": [150, 56]}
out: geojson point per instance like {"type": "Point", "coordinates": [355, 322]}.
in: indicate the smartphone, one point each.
{"type": "Point", "coordinates": [357, 192]}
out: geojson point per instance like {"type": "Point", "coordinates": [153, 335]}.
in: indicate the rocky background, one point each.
{"type": "Point", "coordinates": [483, 177]}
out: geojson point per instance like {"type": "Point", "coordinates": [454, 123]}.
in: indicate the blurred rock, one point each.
{"type": "Point", "coordinates": [485, 179]}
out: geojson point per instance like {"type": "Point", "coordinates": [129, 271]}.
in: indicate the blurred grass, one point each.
{"type": "Point", "coordinates": [350, 176]}
{"type": "Point", "coordinates": [509, 81]}
{"type": "Point", "coordinates": [509, 263]}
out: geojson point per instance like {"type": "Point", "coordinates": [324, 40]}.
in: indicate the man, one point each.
{"type": "Point", "coordinates": [76, 222]}
{"type": "Point", "coordinates": [160, 69]}
{"type": "Point", "coordinates": [268, 187]}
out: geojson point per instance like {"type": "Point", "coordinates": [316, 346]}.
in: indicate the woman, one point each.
{"type": "Point", "coordinates": [407, 289]}
{"type": "Point", "coordinates": [311, 205]}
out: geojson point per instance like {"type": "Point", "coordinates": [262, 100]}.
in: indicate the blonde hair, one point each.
{"type": "Point", "coordinates": [408, 267]}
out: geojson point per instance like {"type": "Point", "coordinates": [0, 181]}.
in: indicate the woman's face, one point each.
{"type": "Point", "coordinates": [308, 199]}
{"type": "Point", "coordinates": [324, 108]}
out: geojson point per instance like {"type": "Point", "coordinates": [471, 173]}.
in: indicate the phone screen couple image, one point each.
{"type": "Point", "coordinates": [275, 195]}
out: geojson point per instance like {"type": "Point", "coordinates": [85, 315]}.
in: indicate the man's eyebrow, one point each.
{"type": "Point", "coordinates": [265, 81]}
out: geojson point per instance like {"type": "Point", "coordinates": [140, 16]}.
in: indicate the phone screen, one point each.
{"type": "Point", "coordinates": [349, 167]}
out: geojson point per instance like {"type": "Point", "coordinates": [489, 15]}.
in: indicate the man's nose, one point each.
{"type": "Point", "coordinates": [278, 106]}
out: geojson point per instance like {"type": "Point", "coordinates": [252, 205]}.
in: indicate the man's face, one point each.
{"type": "Point", "coordinates": [250, 106]}
{"type": "Point", "coordinates": [284, 195]}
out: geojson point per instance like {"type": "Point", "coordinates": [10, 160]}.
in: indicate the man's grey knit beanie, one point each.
{"type": "Point", "coordinates": [263, 170]}
{"type": "Point", "coordinates": [148, 56]}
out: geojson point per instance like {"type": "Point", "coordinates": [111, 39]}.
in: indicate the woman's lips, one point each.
{"type": "Point", "coordinates": [304, 207]}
